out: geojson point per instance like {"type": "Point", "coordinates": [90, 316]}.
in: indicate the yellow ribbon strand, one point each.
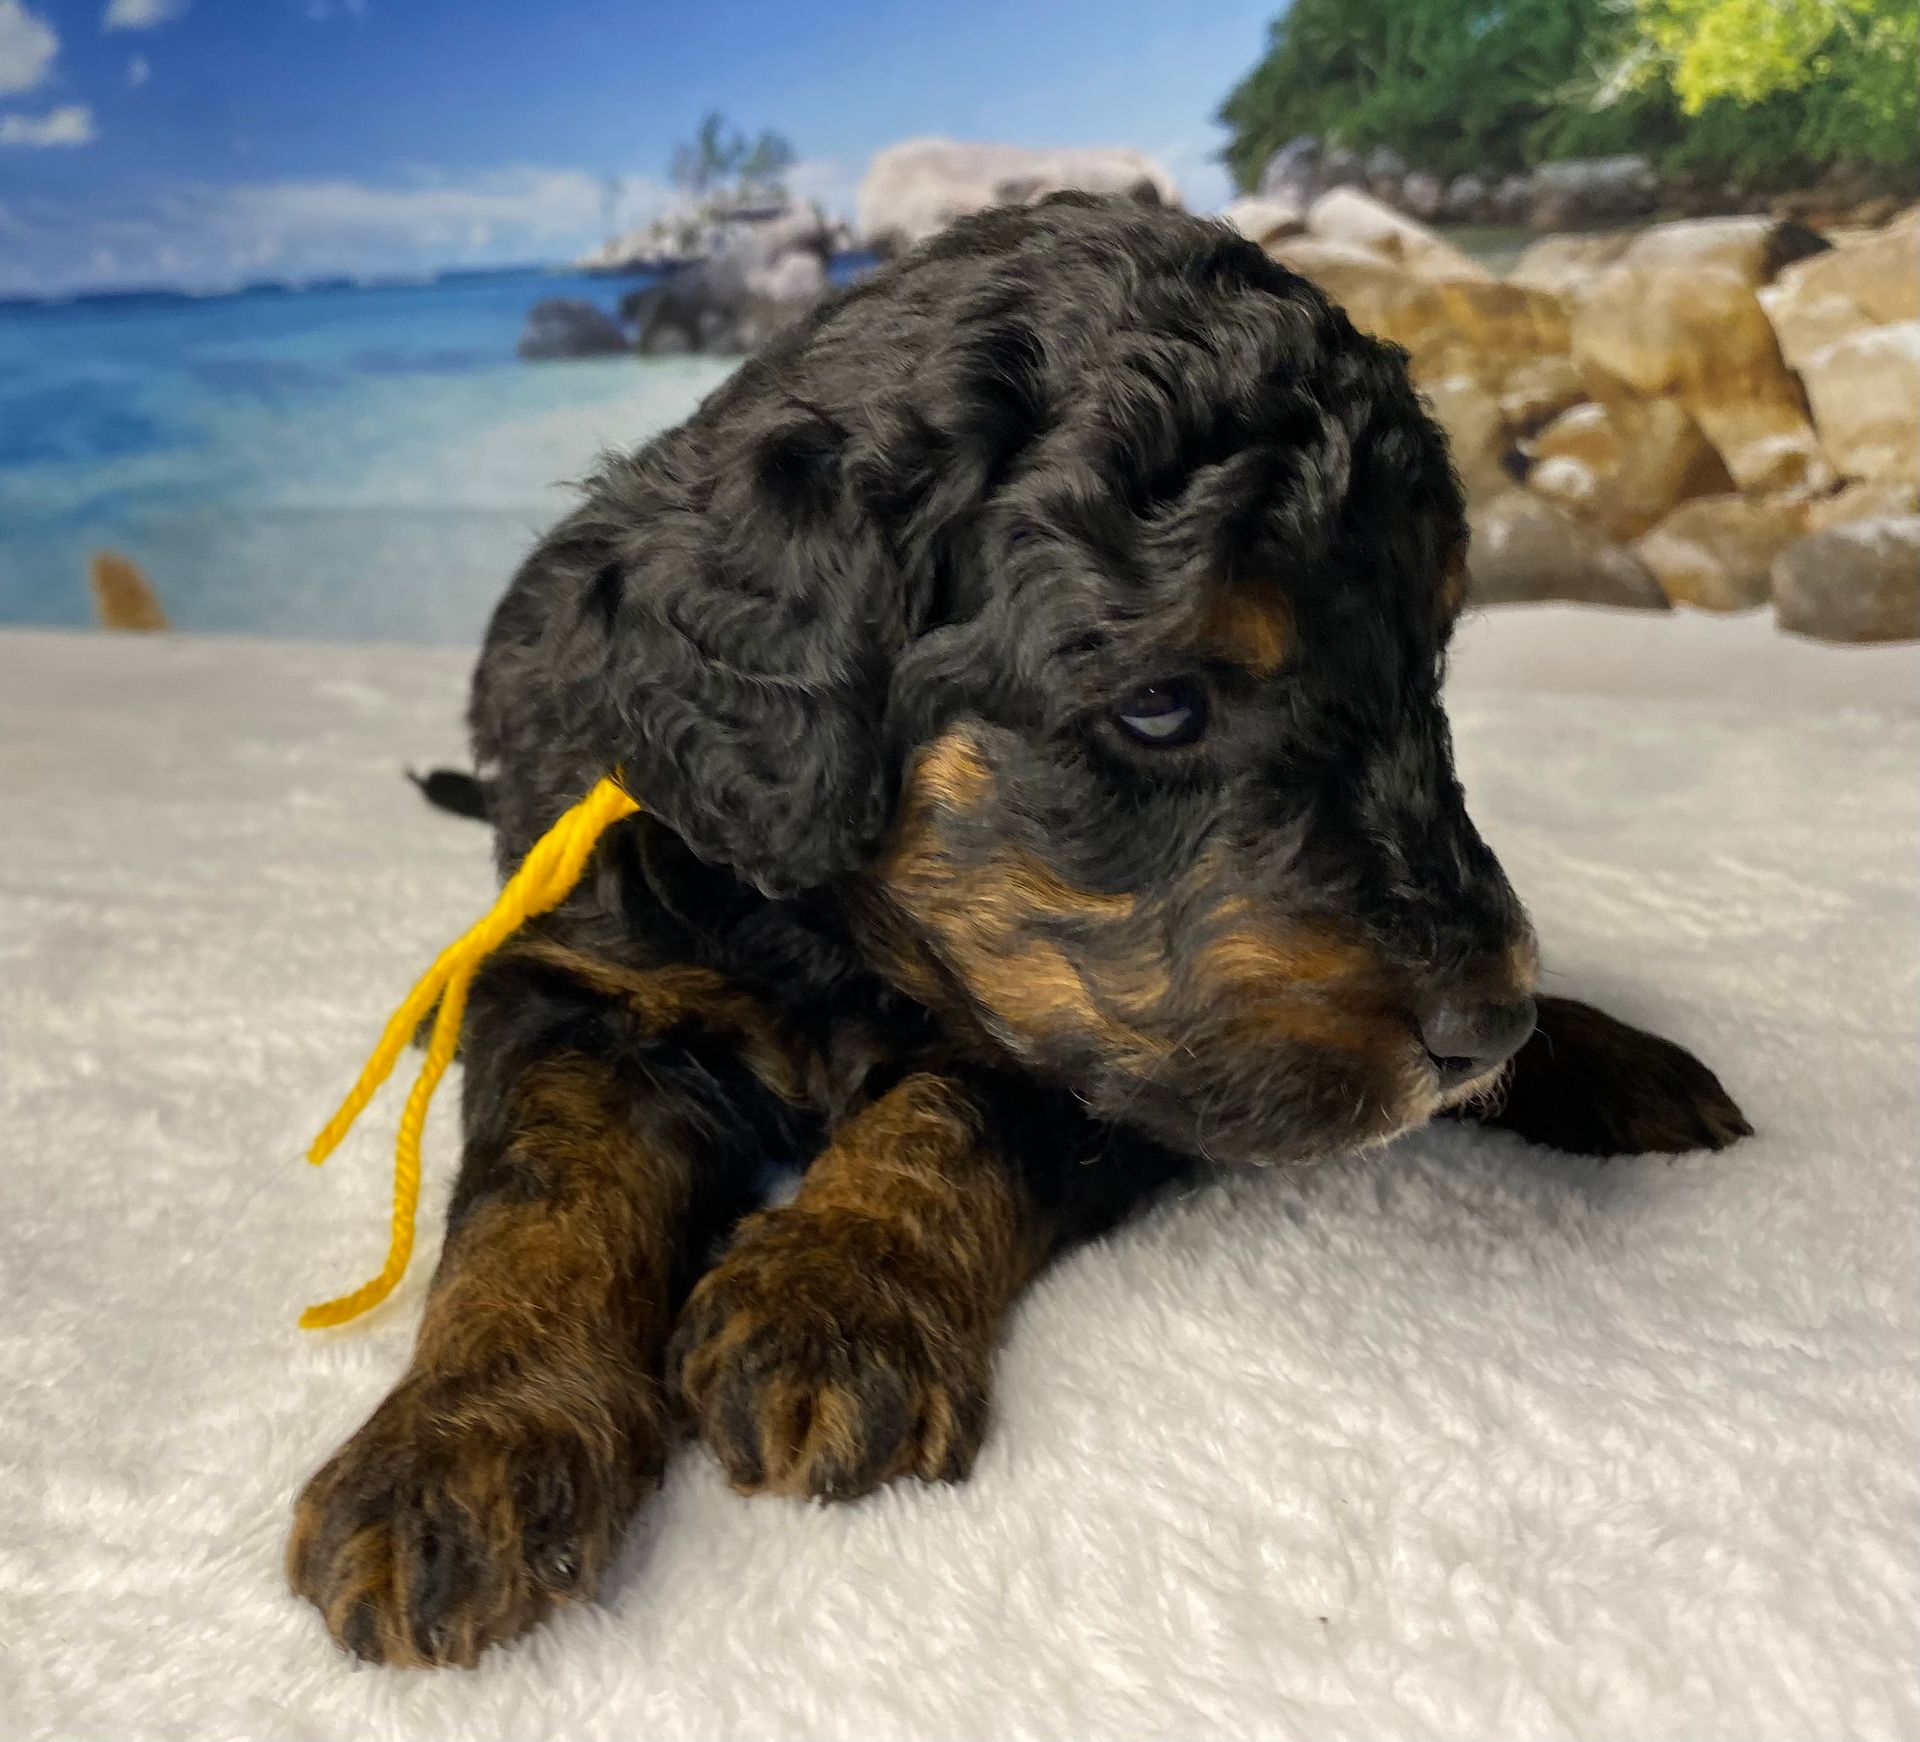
{"type": "Point", "coordinates": [547, 875]}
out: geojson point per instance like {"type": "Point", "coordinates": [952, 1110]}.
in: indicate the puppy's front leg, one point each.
{"type": "Point", "coordinates": [1592, 1085]}
{"type": "Point", "coordinates": [497, 1478]}
{"type": "Point", "coordinates": [844, 1339]}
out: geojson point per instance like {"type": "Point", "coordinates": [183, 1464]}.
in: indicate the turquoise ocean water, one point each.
{"type": "Point", "coordinates": [340, 462]}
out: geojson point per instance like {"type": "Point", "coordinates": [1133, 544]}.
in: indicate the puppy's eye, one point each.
{"type": "Point", "coordinates": [1164, 715]}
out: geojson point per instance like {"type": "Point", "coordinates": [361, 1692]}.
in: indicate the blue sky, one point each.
{"type": "Point", "coordinates": [212, 141]}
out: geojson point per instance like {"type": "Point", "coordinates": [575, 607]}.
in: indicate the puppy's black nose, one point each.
{"type": "Point", "coordinates": [1466, 1038]}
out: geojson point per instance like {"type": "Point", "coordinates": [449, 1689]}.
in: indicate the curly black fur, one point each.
{"type": "Point", "coordinates": [907, 896]}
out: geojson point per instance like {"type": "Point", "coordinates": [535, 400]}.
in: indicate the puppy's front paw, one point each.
{"type": "Point", "coordinates": [454, 1520]}
{"type": "Point", "coordinates": [1592, 1085]}
{"type": "Point", "coordinates": [815, 1360]}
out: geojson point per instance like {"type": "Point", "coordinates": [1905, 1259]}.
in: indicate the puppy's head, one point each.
{"type": "Point", "coordinates": [1072, 602]}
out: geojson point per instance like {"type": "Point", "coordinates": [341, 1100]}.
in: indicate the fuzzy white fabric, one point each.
{"type": "Point", "coordinates": [1463, 1440]}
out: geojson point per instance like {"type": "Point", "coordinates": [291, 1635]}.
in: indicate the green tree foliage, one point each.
{"type": "Point", "coordinates": [1763, 91]}
{"type": "Point", "coordinates": [720, 161]}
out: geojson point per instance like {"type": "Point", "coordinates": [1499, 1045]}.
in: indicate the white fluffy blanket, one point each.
{"type": "Point", "coordinates": [1465, 1440]}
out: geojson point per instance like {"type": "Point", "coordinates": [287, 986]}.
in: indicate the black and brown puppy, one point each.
{"type": "Point", "coordinates": [1031, 669]}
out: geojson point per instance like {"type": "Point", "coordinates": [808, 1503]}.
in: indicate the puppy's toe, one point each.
{"type": "Point", "coordinates": [436, 1532]}
{"type": "Point", "coordinates": [1592, 1085]}
{"type": "Point", "coordinates": [815, 1379]}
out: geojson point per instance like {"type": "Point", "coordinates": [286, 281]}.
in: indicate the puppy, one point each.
{"type": "Point", "coordinates": [1030, 667]}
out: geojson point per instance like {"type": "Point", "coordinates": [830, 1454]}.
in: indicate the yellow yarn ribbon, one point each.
{"type": "Point", "coordinates": [552, 867]}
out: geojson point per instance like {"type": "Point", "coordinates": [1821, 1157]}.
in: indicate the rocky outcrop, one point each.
{"type": "Point", "coordinates": [1264, 220]}
{"type": "Point", "coordinates": [1300, 171]}
{"type": "Point", "coordinates": [1715, 552]}
{"type": "Point", "coordinates": [1583, 192]}
{"type": "Point", "coordinates": [1870, 282]}
{"type": "Point", "coordinates": [723, 308]}
{"type": "Point", "coordinates": [1882, 499]}
{"type": "Point", "coordinates": [1573, 456]}
{"type": "Point", "coordinates": [753, 234]}
{"type": "Point", "coordinates": [1702, 340]}
{"type": "Point", "coordinates": [1466, 324]}
{"type": "Point", "coordinates": [1569, 195]}
{"type": "Point", "coordinates": [1859, 582]}
{"type": "Point", "coordinates": [1361, 220]}
{"type": "Point", "coordinates": [564, 326]}
{"type": "Point", "coordinates": [1482, 440]}
{"type": "Point", "coordinates": [1865, 393]}
{"type": "Point", "coordinates": [1524, 548]}
{"type": "Point", "coordinates": [914, 189]}
{"type": "Point", "coordinates": [1752, 248]}
{"type": "Point", "coordinates": [1655, 388]}
{"type": "Point", "coordinates": [1560, 264]}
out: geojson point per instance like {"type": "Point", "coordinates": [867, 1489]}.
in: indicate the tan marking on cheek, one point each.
{"type": "Point", "coordinates": [1028, 888]}
{"type": "Point", "coordinates": [1247, 630]}
{"type": "Point", "coordinates": [952, 772]}
{"type": "Point", "coordinates": [988, 922]}
{"type": "Point", "coordinates": [1034, 990]}
{"type": "Point", "coordinates": [1250, 959]}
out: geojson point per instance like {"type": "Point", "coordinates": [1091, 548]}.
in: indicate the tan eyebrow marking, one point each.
{"type": "Point", "coordinates": [1248, 630]}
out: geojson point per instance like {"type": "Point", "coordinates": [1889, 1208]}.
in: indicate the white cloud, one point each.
{"type": "Point", "coordinates": [529, 206]}
{"type": "Point", "coordinates": [69, 125]}
{"type": "Point", "coordinates": [138, 72]}
{"type": "Point", "coordinates": [140, 14]}
{"type": "Point", "coordinates": [827, 180]}
{"type": "Point", "coordinates": [211, 236]}
{"type": "Point", "coordinates": [28, 44]}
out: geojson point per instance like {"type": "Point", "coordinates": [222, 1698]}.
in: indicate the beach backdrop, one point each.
{"type": "Point", "coordinates": [310, 309]}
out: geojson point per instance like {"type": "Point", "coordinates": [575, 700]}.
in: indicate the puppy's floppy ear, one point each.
{"type": "Point", "coordinates": [751, 612]}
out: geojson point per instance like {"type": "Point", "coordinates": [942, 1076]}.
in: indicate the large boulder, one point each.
{"type": "Point", "coordinates": [1870, 282]}
{"type": "Point", "coordinates": [1753, 248]}
{"type": "Point", "coordinates": [1361, 281]}
{"type": "Point", "coordinates": [1865, 393]}
{"type": "Point", "coordinates": [564, 326]}
{"type": "Point", "coordinates": [1479, 436]}
{"type": "Point", "coordinates": [1570, 458]}
{"type": "Point", "coordinates": [1583, 192]}
{"type": "Point", "coordinates": [1510, 338]}
{"type": "Point", "coordinates": [1265, 220]}
{"type": "Point", "coordinates": [1465, 199]}
{"type": "Point", "coordinates": [1292, 174]}
{"type": "Point", "coordinates": [1625, 464]}
{"type": "Point", "coordinates": [1303, 169]}
{"type": "Point", "coordinates": [1423, 195]}
{"type": "Point", "coordinates": [1348, 215]}
{"type": "Point", "coordinates": [1702, 340]}
{"type": "Point", "coordinates": [1385, 169]}
{"type": "Point", "coordinates": [723, 308]}
{"type": "Point", "coordinates": [1533, 393]}
{"type": "Point", "coordinates": [1524, 548]}
{"type": "Point", "coordinates": [753, 233]}
{"type": "Point", "coordinates": [916, 188]}
{"type": "Point", "coordinates": [1874, 499]}
{"type": "Point", "coordinates": [1859, 582]}
{"type": "Point", "coordinates": [1715, 552]}
{"type": "Point", "coordinates": [1563, 263]}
